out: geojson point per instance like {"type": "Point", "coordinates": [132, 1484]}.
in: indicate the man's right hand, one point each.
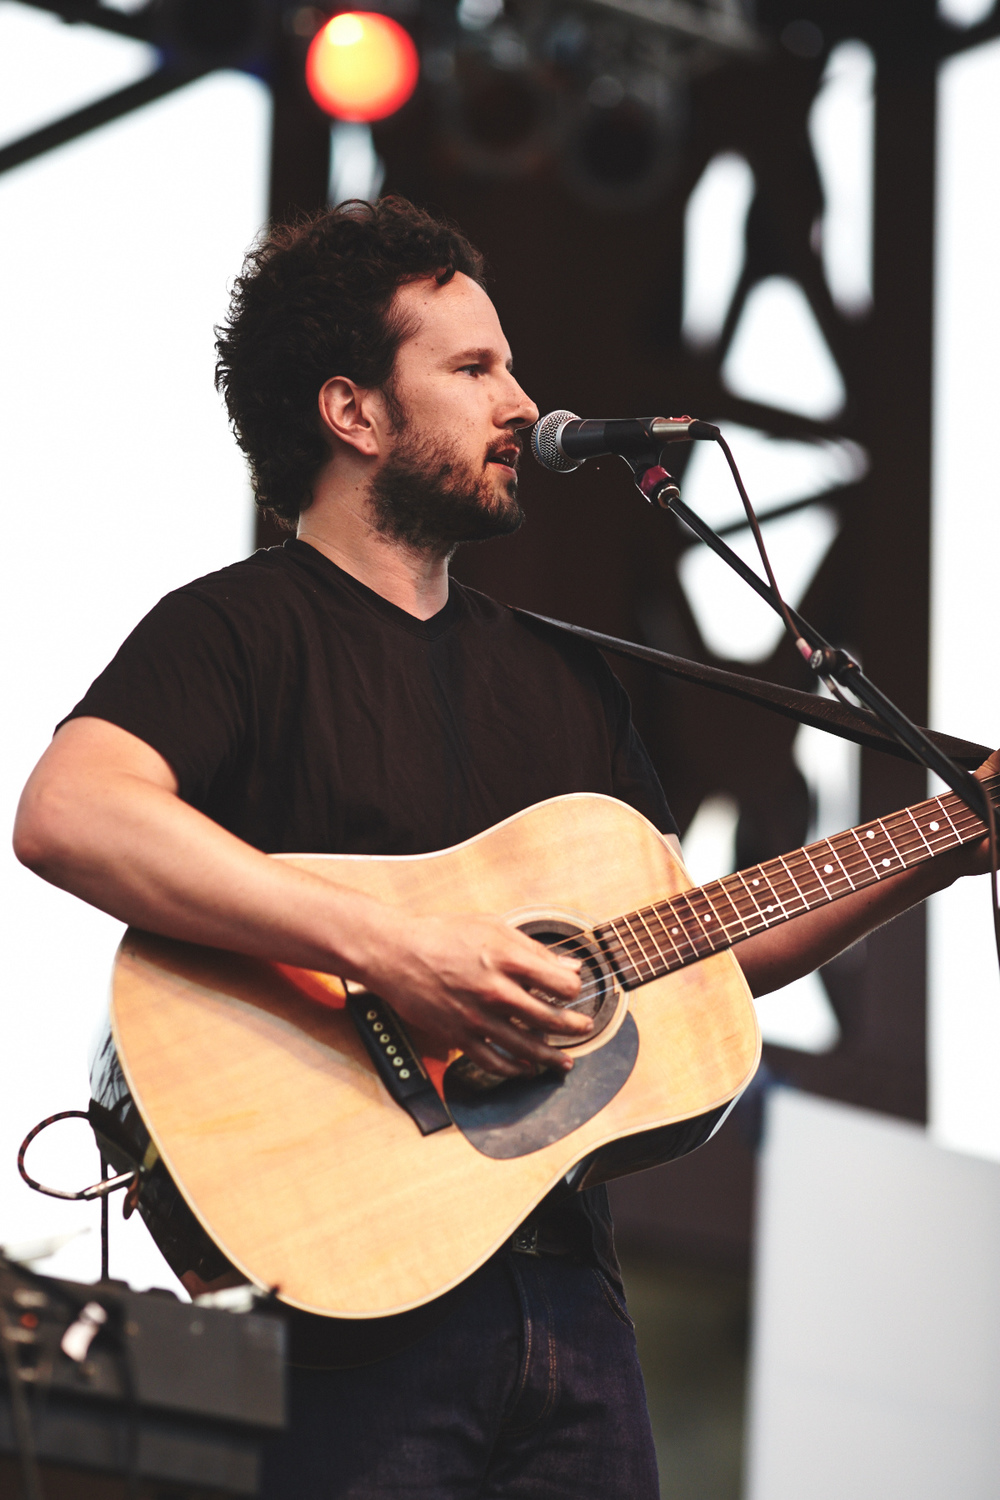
{"type": "Point", "coordinates": [473, 982]}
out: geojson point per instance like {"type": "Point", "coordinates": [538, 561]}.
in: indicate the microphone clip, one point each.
{"type": "Point", "coordinates": [653, 481]}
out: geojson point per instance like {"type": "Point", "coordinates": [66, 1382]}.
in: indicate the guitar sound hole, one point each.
{"type": "Point", "coordinates": [598, 997]}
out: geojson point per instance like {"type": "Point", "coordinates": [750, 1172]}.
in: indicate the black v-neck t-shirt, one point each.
{"type": "Point", "coordinates": [306, 714]}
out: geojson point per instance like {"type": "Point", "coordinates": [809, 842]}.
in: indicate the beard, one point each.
{"type": "Point", "coordinates": [427, 496]}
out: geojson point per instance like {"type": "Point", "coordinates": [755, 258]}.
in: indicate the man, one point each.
{"type": "Point", "coordinates": [341, 695]}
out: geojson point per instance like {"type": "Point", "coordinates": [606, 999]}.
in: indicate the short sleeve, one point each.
{"type": "Point", "coordinates": [180, 682]}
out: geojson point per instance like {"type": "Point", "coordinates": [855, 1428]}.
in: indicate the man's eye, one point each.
{"type": "Point", "coordinates": [471, 369]}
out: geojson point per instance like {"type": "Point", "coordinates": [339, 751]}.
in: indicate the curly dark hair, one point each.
{"type": "Point", "coordinates": [314, 300]}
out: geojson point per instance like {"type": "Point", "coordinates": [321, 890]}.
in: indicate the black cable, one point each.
{"type": "Point", "coordinates": [801, 645]}
{"type": "Point", "coordinates": [83, 1195]}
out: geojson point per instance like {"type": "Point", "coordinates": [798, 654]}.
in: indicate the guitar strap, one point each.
{"type": "Point", "coordinates": [849, 723]}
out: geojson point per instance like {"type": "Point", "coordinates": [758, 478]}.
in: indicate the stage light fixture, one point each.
{"type": "Point", "coordinates": [623, 146]}
{"type": "Point", "coordinates": [361, 66]}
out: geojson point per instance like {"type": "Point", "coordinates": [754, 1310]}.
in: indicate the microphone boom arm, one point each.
{"type": "Point", "coordinates": [825, 660]}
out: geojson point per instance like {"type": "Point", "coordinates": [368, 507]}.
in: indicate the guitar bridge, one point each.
{"type": "Point", "coordinates": [396, 1062]}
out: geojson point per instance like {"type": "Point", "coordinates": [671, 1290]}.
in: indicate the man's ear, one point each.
{"type": "Point", "coordinates": [353, 414]}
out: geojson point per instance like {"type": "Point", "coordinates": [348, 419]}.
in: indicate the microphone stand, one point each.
{"type": "Point", "coordinates": [835, 667]}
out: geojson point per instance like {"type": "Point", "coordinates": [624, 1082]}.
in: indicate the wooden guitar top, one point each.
{"type": "Point", "coordinates": [274, 1125]}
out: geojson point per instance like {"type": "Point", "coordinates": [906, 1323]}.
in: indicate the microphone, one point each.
{"type": "Point", "coordinates": [562, 441]}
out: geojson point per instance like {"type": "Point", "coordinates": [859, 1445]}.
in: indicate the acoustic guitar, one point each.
{"type": "Point", "coordinates": [338, 1159]}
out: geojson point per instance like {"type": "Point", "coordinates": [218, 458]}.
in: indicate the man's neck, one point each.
{"type": "Point", "coordinates": [414, 581]}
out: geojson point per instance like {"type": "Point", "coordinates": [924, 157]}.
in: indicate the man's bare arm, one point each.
{"type": "Point", "coordinates": [100, 817]}
{"type": "Point", "coordinates": [786, 952]}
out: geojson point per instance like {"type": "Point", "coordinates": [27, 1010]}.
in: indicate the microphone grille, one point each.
{"type": "Point", "coordinates": [544, 441]}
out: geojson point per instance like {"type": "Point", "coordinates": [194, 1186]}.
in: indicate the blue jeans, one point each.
{"type": "Point", "coordinates": [530, 1390]}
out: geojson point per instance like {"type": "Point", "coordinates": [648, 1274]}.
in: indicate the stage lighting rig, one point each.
{"type": "Point", "coordinates": [626, 139]}
{"type": "Point", "coordinates": [720, 26]}
{"type": "Point", "coordinates": [498, 111]}
{"type": "Point", "coordinates": [626, 111]}
{"type": "Point", "coordinates": [593, 88]}
{"type": "Point", "coordinates": [597, 89]}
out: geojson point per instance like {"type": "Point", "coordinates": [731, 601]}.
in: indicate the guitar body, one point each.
{"type": "Point", "coordinates": [271, 1118]}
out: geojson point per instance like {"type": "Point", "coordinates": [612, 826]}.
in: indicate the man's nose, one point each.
{"type": "Point", "coordinates": [522, 412]}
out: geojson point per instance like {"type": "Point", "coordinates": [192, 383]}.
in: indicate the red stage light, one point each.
{"type": "Point", "coordinates": [361, 66]}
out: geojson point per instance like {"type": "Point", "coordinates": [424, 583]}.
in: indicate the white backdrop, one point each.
{"type": "Point", "coordinates": [120, 481]}
{"type": "Point", "coordinates": [875, 1366]}
{"type": "Point", "coordinates": [965, 685]}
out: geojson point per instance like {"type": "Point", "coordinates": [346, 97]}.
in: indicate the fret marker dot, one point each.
{"type": "Point", "coordinates": [828, 869]}
{"type": "Point", "coordinates": [675, 930]}
{"type": "Point", "coordinates": [870, 834]}
{"type": "Point", "coordinates": [886, 863]}
{"type": "Point", "coordinates": [708, 919]}
{"type": "Point", "coordinates": [934, 827]}
{"type": "Point", "coordinates": [756, 882]}
{"type": "Point", "coordinates": [769, 908]}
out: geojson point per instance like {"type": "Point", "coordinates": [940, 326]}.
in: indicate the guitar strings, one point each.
{"type": "Point", "coordinates": [903, 823]}
{"type": "Point", "coordinates": [794, 903]}
{"type": "Point", "coordinates": [701, 944]}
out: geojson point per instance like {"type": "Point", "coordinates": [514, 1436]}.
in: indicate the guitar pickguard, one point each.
{"type": "Point", "coordinates": [524, 1114]}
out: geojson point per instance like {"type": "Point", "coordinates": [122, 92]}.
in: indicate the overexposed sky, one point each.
{"type": "Point", "coordinates": [965, 688]}
{"type": "Point", "coordinates": [842, 132]}
{"type": "Point", "coordinates": [715, 244]}
{"type": "Point", "coordinates": [120, 480]}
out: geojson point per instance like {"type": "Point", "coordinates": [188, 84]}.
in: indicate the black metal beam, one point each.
{"type": "Point", "coordinates": [89, 13]}
{"type": "Point", "coordinates": [952, 41]}
{"type": "Point", "coordinates": [102, 112]}
{"type": "Point", "coordinates": [299, 170]}
{"type": "Point", "coordinates": [893, 533]}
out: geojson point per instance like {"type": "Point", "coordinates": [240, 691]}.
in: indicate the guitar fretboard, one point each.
{"type": "Point", "coordinates": [655, 940]}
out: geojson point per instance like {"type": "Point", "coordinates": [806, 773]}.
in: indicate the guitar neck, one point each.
{"type": "Point", "coordinates": [655, 940]}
